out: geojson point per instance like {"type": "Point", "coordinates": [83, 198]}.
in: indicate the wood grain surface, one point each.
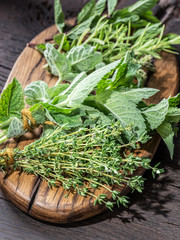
{"type": "Point", "coordinates": [152, 215]}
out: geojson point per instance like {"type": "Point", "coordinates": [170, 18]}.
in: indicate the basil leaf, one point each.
{"type": "Point", "coordinates": [82, 90]}
{"type": "Point", "coordinates": [36, 92]}
{"type": "Point", "coordinates": [60, 65]}
{"type": "Point", "coordinates": [15, 128]}
{"type": "Point", "coordinates": [155, 115]}
{"type": "Point", "coordinates": [83, 58]}
{"type": "Point", "coordinates": [59, 16]}
{"type": "Point", "coordinates": [11, 101]}
{"type": "Point", "coordinates": [166, 132]}
{"type": "Point", "coordinates": [111, 6]}
{"type": "Point", "coordinates": [86, 11]}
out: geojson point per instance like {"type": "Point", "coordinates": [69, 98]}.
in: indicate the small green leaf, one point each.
{"type": "Point", "coordinates": [100, 6]}
{"type": "Point", "coordinates": [15, 128]}
{"type": "Point", "coordinates": [11, 101]}
{"type": "Point", "coordinates": [36, 92]}
{"type": "Point", "coordinates": [155, 115]}
{"type": "Point", "coordinates": [86, 12]}
{"type": "Point", "coordinates": [60, 65]}
{"type": "Point", "coordinates": [142, 6]}
{"type": "Point", "coordinates": [41, 47]}
{"type": "Point", "coordinates": [83, 58]}
{"type": "Point", "coordinates": [38, 113]}
{"type": "Point", "coordinates": [166, 132]}
{"type": "Point", "coordinates": [59, 16]}
{"type": "Point", "coordinates": [82, 90]}
{"type": "Point", "coordinates": [111, 6]}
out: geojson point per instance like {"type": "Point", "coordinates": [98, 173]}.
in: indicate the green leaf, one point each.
{"type": "Point", "coordinates": [173, 115]}
{"type": "Point", "coordinates": [56, 90]}
{"type": "Point", "coordinates": [82, 90]}
{"type": "Point", "coordinates": [174, 101]}
{"type": "Point", "coordinates": [148, 16]}
{"type": "Point", "coordinates": [60, 65]}
{"type": "Point", "coordinates": [80, 28]}
{"type": "Point", "coordinates": [15, 128]}
{"type": "Point", "coordinates": [59, 16]}
{"type": "Point", "coordinates": [99, 8]}
{"type": "Point", "coordinates": [11, 101]}
{"type": "Point", "coordinates": [142, 6]}
{"type": "Point", "coordinates": [83, 58]}
{"type": "Point", "coordinates": [111, 6]}
{"type": "Point", "coordinates": [172, 38]}
{"type": "Point", "coordinates": [137, 94]}
{"type": "Point", "coordinates": [166, 132]}
{"type": "Point", "coordinates": [61, 40]}
{"type": "Point", "coordinates": [56, 110]}
{"type": "Point", "coordinates": [86, 11]}
{"type": "Point", "coordinates": [74, 83]}
{"type": "Point", "coordinates": [36, 92]}
{"type": "Point", "coordinates": [155, 115]}
{"type": "Point", "coordinates": [41, 47]}
{"type": "Point", "coordinates": [124, 109]}
{"type": "Point", "coordinates": [38, 113]}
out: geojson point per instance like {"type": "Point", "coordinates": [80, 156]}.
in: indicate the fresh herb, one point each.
{"type": "Point", "coordinates": [100, 112]}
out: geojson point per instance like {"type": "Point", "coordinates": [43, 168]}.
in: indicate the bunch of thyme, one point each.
{"type": "Point", "coordinates": [86, 159]}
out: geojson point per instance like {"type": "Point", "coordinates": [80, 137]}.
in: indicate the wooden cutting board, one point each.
{"type": "Point", "coordinates": [30, 193]}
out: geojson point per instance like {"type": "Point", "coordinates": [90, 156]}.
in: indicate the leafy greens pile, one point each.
{"type": "Point", "coordinates": [101, 109]}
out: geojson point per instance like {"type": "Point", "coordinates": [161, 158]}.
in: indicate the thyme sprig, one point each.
{"type": "Point", "coordinates": [85, 160]}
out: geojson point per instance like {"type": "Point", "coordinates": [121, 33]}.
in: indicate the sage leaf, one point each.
{"type": "Point", "coordinates": [82, 90]}
{"type": "Point", "coordinates": [83, 58]}
{"type": "Point", "coordinates": [155, 115]}
{"type": "Point", "coordinates": [111, 6]}
{"type": "Point", "coordinates": [59, 16]}
{"type": "Point", "coordinates": [11, 101]}
{"type": "Point", "coordinates": [86, 11]}
{"type": "Point", "coordinates": [166, 132]}
{"type": "Point", "coordinates": [60, 65]}
{"type": "Point", "coordinates": [173, 115]}
{"type": "Point", "coordinates": [36, 92]}
{"type": "Point", "coordinates": [15, 128]}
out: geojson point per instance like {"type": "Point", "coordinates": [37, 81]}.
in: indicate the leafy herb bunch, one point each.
{"type": "Point", "coordinates": [103, 59]}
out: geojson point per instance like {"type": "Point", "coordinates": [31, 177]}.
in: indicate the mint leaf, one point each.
{"type": "Point", "coordinates": [166, 132]}
{"type": "Point", "coordinates": [11, 101]}
{"type": "Point", "coordinates": [79, 29]}
{"type": "Point", "coordinates": [174, 101]}
{"type": "Point", "coordinates": [142, 6]}
{"type": "Point", "coordinates": [83, 58]}
{"type": "Point", "coordinates": [74, 83]}
{"type": "Point", "coordinates": [38, 113]}
{"type": "Point", "coordinates": [86, 11]}
{"type": "Point", "coordinates": [82, 90]}
{"type": "Point", "coordinates": [59, 64]}
{"type": "Point", "coordinates": [155, 115]}
{"type": "Point", "coordinates": [59, 16]}
{"type": "Point", "coordinates": [99, 8]}
{"type": "Point", "coordinates": [173, 115]}
{"type": "Point", "coordinates": [15, 128]}
{"type": "Point", "coordinates": [124, 109]}
{"type": "Point", "coordinates": [57, 90]}
{"type": "Point", "coordinates": [137, 94]}
{"type": "Point", "coordinates": [111, 6]}
{"type": "Point", "coordinates": [36, 92]}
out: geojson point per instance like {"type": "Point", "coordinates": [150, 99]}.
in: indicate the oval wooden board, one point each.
{"type": "Point", "coordinates": [31, 194]}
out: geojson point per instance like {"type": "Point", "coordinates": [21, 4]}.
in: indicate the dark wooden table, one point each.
{"type": "Point", "coordinates": [152, 215]}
